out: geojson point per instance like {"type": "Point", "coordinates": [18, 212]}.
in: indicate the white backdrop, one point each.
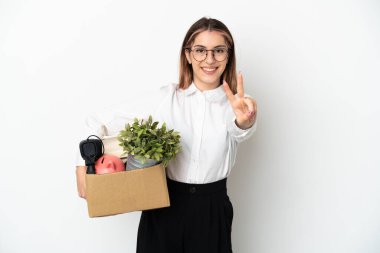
{"type": "Point", "coordinates": [307, 181]}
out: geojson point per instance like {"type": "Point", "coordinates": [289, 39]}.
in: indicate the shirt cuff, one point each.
{"type": "Point", "coordinates": [239, 134]}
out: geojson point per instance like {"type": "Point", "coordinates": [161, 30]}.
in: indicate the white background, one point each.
{"type": "Point", "coordinates": [306, 182]}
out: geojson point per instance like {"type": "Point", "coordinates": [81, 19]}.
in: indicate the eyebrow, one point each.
{"type": "Point", "coordinates": [214, 47]}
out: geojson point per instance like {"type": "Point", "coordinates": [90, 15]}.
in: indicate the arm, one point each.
{"type": "Point", "coordinates": [241, 115]}
{"type": "Point", "coordinates": [81, 181]}
{"type": "Point", "coordinates": [238, 134]}
{"type": "Point", "coordinates": [106, 122]}
{"type": "Point", "coordinates": [110, 120]}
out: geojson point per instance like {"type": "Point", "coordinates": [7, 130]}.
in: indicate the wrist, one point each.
{"type": "Point", "coordinates": [243, 126]}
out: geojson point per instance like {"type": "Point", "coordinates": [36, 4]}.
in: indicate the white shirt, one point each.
{"type": "Point", "coordinates": [205, 121]}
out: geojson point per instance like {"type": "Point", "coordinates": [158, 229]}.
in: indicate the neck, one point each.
{"type": "Point", "coordinates": [204, 86]}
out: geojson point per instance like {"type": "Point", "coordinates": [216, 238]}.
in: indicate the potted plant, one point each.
{"type": "Point", "coordinates": [147, 144]}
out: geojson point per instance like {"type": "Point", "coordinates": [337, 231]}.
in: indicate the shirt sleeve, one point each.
{"type": "Point", "coordinates": [110, 120]}
{"type": "Point", "coordinates": [236, 133]}
{"type": "Point", "coordinates": [107, 121]}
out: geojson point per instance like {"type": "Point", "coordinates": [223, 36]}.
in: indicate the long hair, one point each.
{"type": "Point", "coordinates": [185, 69]}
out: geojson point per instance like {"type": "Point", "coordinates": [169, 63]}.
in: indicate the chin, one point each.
{"type": "Point", "coordinates": [210, 80]}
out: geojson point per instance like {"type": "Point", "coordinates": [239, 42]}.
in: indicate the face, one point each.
{"type": "Point", "coordinates": [207, 73]}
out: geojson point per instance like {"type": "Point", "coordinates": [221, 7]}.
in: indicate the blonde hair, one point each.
{"type": "Point", "coordinates": [185, 69]}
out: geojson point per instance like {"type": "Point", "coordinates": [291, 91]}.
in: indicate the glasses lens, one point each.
{"type": "Point", "coordinates": [220, 54]}
{"type": "Point", "coordinates": [199, 54]}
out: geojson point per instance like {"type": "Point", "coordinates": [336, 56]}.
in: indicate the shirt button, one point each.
{"type": "Point", "coordinates": [192, 189]}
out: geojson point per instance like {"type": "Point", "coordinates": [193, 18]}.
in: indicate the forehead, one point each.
{"type": "Point", "coordinates": [209, 39]}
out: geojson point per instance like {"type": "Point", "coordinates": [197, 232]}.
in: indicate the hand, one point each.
{"type": "Point", "coordinates": [245, 108]}
{"type": "Point", "coordinates": [81, 181]}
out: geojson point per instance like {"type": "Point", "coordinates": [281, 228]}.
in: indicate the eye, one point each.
{"type": "Point", "coordinates": [220, 50]}
{"type": "Point", "coordinates": [199, 50]}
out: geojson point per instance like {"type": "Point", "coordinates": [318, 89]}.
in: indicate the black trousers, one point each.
{"type": "Point", "coordinates": [199, 220]}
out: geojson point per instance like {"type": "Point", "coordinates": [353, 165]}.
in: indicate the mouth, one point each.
{"type": "Point", "coordinates": [209, 71]}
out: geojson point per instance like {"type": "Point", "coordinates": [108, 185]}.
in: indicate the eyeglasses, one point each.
{"type": "Point", "coordinates": [200, 54]}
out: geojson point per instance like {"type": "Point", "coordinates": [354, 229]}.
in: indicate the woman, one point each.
{"type": "Point", "coordinates": [213, 115]}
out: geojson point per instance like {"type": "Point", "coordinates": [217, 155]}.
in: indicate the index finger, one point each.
{"type": "Point", "coordinates": [228, 91]}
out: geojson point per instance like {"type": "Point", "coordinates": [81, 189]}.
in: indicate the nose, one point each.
{"type": "Point", "coordinates": [210, 57]}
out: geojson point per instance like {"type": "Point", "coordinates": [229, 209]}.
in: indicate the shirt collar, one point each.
{"type": "Point", "coordinates": [213, 95]}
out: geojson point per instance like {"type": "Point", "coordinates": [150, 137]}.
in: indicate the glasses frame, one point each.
{"type": "Point", "coordinates": [213, 53]}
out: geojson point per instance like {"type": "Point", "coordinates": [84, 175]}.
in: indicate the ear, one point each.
{"type": "Point", "coordinates": [187, 53]}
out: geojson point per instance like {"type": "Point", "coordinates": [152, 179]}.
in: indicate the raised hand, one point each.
{"type": "Point", "coordinates": [245, 108]}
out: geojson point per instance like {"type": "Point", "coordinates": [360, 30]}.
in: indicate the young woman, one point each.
{"type": "Point", "coordinates": [213, 115]}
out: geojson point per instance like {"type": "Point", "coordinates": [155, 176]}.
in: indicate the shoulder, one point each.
{"type": "Point", "coordinates": [168, 88]}
{"type": "Point", "coordinates": [159, 94]}
{"type": "Point", "coordinates": [161, 91]}
{"type": "Point", "coordinates": [165, 91]}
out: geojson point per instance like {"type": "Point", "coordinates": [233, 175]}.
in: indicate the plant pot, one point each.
{"type": "Point", "coordinates": [133, 163]}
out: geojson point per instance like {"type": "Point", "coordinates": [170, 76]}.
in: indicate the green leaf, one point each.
{"type": "Point", "coordinates": [146, 139]}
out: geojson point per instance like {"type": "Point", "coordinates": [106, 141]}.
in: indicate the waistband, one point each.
{"type": "Point", "coordinates": [187, 188]}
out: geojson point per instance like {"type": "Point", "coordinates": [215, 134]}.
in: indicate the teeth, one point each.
{"type": "Point", "coordinates": [209, 69]}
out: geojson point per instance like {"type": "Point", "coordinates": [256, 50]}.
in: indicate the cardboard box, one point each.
{"type": "Point", "coordinates": [127, 191]}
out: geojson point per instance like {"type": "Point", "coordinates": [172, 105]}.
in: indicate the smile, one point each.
{"type": "Point", "coordinates": [209, 71]}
